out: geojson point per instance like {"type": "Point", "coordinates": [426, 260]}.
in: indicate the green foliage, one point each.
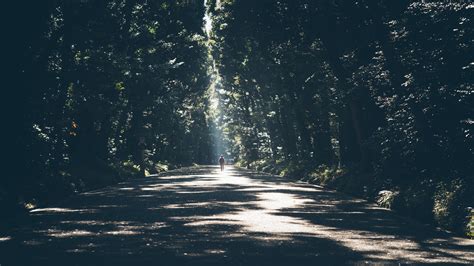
{"type": "Point", "coordinates": [108, 88]}
{"type": "Point", "coordinates": [379, 89]}
{"type": "Point", "coordinates": [129, 168]}
{"type": "Point", "coordinates": [293, 169]}
{"type": "Point", "coordinates": [470, 223]}
{"type": "Point", "coordinates": [388, 199]}
{"type": "Point", "coordinates": [450, 206]}
{"type": "Point", "coordinates": [325, 175]}
{"type": "Point", "coordinates": [418, 202]}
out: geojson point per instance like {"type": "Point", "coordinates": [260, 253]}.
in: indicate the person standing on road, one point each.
{"type": "Point", "coordinates": [222, 162]}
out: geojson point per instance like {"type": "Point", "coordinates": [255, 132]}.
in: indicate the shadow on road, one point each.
{"type": "Point", "coordinates": [202, 216]}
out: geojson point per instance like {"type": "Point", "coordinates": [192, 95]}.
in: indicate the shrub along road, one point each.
{"type": "Point", "coordinates": [202, 216]}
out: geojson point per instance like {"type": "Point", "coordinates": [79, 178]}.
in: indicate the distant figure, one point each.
{"type": "Point", "coordinates": [222, 162]}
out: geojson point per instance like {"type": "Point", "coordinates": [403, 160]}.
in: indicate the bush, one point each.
{"type": "Point", "coordinates": [417, 202]}
{"type": "Point", "coordinates": [470, 223]}
{"type": "Point", "coordinates": [344, 179]}
{"type": "Point", "coordinates": [258, 165]}
{"type": "Point", "coordinates": [389, 199]}
{"type": "Point", "coordinates": [450, 207]}
{"type": "Point", "coordinates": [295, 169]}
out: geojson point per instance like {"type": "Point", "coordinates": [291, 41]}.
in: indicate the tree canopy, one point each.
{"type": "Point", "coordinates": [364, 95]}
{"type": "Point", "coordinates": [104, 86]}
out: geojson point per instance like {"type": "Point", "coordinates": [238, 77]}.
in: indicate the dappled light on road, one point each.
{"type": "Point", "coordinates": [5, 238]}
{"type": "Point", "coordinates": [201, 215]}
{"type": "Point", "coordinates": [261, 216]}
{"type": "Point", "coordinates": [266, 214]}
{"type": "Point", "coordinates": [60, 210]}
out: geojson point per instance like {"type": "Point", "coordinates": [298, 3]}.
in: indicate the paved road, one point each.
{"type": "Point", "coordinates": [199, 216]}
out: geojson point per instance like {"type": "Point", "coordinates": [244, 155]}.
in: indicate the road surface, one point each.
{"type": "Point", "coordinates": [200, 216]}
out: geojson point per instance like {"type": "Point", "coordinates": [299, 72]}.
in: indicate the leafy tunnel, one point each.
{"type": "Point", "coordinates": [365, 96]}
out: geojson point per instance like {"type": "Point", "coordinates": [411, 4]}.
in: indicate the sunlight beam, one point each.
{"type": "Point", "coordinates": [215, 82]}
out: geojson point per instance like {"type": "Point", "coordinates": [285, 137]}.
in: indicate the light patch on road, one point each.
{"type": "Point", "coordinates": [265, 218]}
{"type": "Point", "coordinates": [67, 234]}
{"type": "Point", "coordinates": [61, 210]}
{"type": "Point", "coordinates": [5, 238]}
{"type": "Point", "coordinates": [261, 221]}
{"type": "Point", "coordinates": [122, 232]}
{"type": "Point", "coordinates": [277, 201]}
{"type": "Point", "coordinates": [126, 188]}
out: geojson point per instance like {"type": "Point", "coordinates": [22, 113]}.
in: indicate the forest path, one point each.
{"type": "Point", "coordinates": [199, 216]}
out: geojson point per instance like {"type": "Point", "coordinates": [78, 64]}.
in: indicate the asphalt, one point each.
{"type": "Point", "coordinates": [201, 216]}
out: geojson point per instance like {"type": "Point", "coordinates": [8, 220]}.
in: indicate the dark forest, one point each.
{"type": "Point", "coordinates": [371, 98]}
